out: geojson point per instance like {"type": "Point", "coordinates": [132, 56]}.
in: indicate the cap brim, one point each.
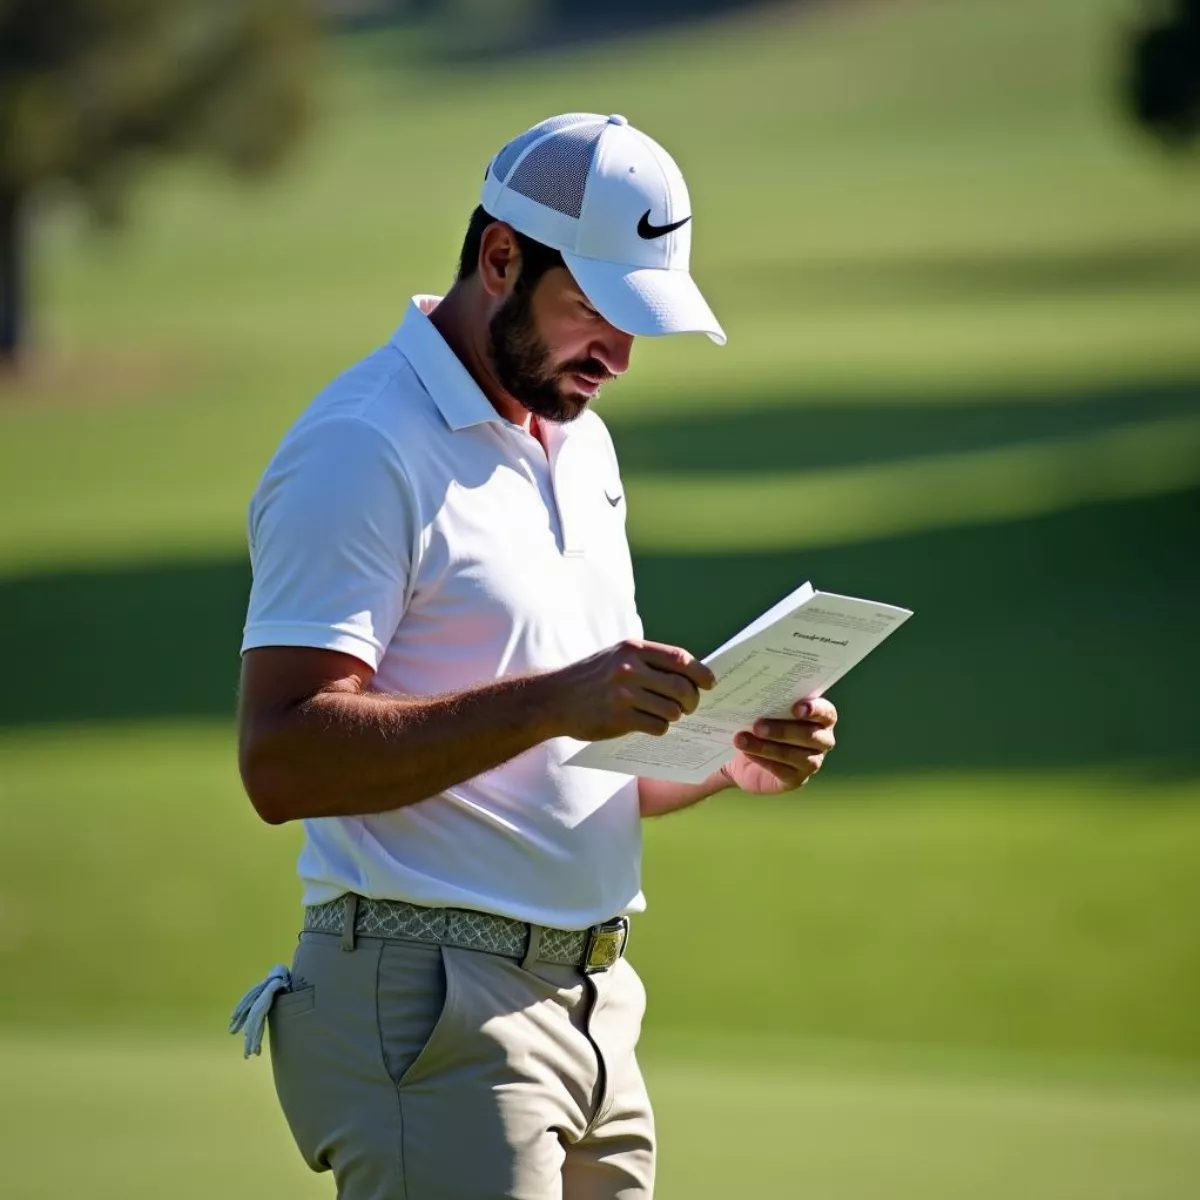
{"type": "Point", "coordinates": [646, 301]}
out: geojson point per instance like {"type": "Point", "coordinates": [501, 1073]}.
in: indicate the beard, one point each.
{"type": "Point", "coordinates": [522, 363]}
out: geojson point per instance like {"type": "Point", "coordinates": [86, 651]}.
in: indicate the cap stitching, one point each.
{"type": "Point", "coordinates": [592, 173]}
{"type": "Point", "coordinates": [653, 149]}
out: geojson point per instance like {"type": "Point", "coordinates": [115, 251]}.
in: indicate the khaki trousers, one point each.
{"type": "Point", "coordinates": [414, 1071]}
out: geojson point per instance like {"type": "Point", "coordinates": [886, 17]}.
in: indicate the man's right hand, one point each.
{"type": "Point", "coordinates": [634, 686]}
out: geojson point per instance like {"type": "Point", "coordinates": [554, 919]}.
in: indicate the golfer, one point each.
{"type": "Point", "coordinates": [442, 614]}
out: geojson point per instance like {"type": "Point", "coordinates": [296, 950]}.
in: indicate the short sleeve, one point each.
{"type": "Point", "coordinates": [333, 529]}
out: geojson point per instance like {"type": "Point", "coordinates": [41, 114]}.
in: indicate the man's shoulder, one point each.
{"type": "Point", "coordinates": [380, 392]}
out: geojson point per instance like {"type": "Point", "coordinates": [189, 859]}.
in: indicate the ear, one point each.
{"type": "Point", "coordinates": [499, 259]}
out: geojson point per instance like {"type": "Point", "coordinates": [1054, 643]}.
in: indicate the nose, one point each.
{"type": "Point", "coordinates": [613, 349]}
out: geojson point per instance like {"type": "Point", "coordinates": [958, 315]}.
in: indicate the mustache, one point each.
{"type": "Point", "coordinates": [592, 367]}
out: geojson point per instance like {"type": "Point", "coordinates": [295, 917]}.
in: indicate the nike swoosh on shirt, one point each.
{"type": "Point", "coordinates": [646, 230]}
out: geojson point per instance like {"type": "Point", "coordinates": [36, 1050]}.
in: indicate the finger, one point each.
{"type": "Point", "coordinates": [678, 661]}
{"type": "Point", "coordinates": [644, 722]}
{"type": "Point", "coordinates": [817, 710]}
{"type": "Point", "coordinates": [799, 757]}
{"type": "Point", "coordinates": [656, 704]}
{"type": "Point", "coordinates": [796, 733]}
{"type": "Point", "coordinates": [675, 687]}
{"type": "Point", "coordinates": [786, 775]}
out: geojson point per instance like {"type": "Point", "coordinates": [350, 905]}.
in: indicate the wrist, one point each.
{"type": "Point", "coordinates": [720, 780]}
{"type": "Point", "coordinates": [657, 797]}
{"type": "Point", "coordinates": [547, 712]}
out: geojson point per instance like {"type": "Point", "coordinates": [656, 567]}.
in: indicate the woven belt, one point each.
{"type": "Point", "coordinates": [594, 949]}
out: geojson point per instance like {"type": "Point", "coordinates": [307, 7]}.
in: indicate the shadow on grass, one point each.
{"type": "Point", "coordinates": [824, 283]}
{"type": "Point", "coordinates": [131, 642]}
{"type": "Point", "coordinates": [1058, 641]}
{"type": "Point", "coordinates": [782, 437]}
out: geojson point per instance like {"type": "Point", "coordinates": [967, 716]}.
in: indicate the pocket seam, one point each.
{"type": "Point", "coordinates": [294, 1003]}
{"type": "Point", "coordinates": [449, 1004]}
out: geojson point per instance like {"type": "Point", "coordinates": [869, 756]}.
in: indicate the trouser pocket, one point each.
{"type": "Point", "coordinates": [376, 1015]}
{"type": "Point", "coordinates": [416, 1000]}
{"type": "Point", "coordinates": [250, 1014]}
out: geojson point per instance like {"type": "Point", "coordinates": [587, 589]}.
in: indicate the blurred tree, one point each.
{"type": "Point", "coordinates": [90, 88]}
{"type": "Point", "coordinates": [1163, 86]}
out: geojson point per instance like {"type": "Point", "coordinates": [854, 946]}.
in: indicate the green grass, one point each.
{"type": "Point", "coordinates": [1043, 914]}
{"type": "Point", "coordinates": [963, 375]}
{"type": "Point", "coordinates": [756, 509]}
{"type": "Point", "coordinates": [896, 202]}
{"type": "Point", "coordinates": [963, 371]}
{"type": "Point", "coordinates": [185, 1117]}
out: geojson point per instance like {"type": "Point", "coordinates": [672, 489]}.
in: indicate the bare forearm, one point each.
{"type": "Point", "coordinates": [657, 797]}
{"type": "Point", "coordinates": [343, 753]}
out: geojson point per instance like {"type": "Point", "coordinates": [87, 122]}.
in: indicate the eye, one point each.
{"type": "Point", "coordinates": [588, 310]}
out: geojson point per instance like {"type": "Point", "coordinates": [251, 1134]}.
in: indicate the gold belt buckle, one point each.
{"type": "Point", "coordinates": [605, 945]}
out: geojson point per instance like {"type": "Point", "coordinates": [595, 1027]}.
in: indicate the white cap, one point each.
{"type": "Point", "coordinates": [614, 204]}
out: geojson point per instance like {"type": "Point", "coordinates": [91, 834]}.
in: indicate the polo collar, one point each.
{"type": "Point", "coordinates": [440, 370]}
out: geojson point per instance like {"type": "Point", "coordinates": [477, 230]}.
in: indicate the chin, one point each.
{"type": "Point", "coordinates": [575, 406]}
{"type": "Point", "coordinates": [572, 404]}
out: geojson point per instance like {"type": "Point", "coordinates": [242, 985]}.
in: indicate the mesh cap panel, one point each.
{"type": "Point", "coordinates": [555, 171]}
{"type": "Point", "coordinates": [515, 148]}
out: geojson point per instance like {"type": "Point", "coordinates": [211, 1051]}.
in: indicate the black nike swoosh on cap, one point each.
{"type": "Point", "coordinates": [646, 230]}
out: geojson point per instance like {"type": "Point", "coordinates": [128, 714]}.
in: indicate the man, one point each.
{"type": "Point", "coordinates": [442, 613]}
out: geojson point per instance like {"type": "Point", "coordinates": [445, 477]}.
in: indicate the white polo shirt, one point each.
{"type": "Point", "coordinates": [404, 521]}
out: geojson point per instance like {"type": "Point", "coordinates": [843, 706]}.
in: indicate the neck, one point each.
{"type": "Point", "coordinates": [461, 321]}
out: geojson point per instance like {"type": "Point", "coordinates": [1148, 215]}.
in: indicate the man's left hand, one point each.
{"type": "Point", "coordinates": [781, 755]}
